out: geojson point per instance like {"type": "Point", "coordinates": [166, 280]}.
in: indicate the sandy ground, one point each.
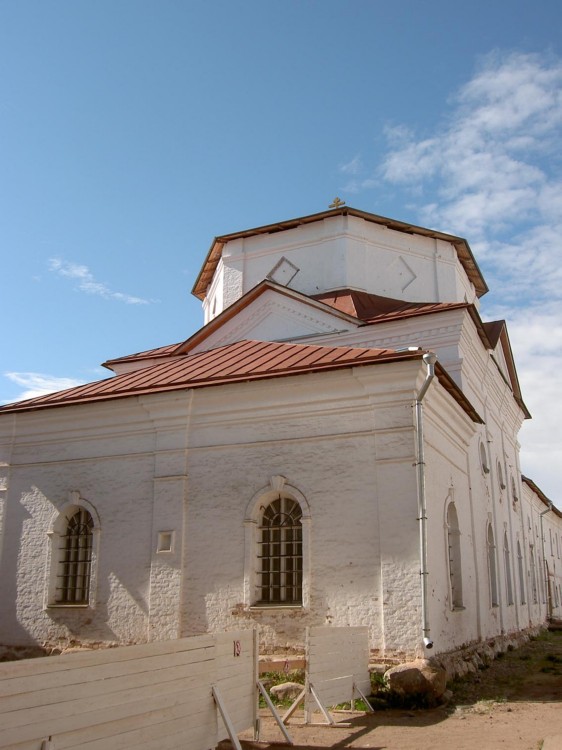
{"type": "Point", "coordinates": [516, 703]}
{"type": "Point", "coordinates": [486, 726]}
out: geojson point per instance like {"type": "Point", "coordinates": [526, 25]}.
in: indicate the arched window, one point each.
{"type": "Point", "coordinates": [507, 564]}
{"type": "Point", "coordinates": [492, 569]}
{"type": "Point", "coordinates": [280, 559]}
{"type": "Point", "coordinates": [533, 576]}
{"type": "Point", "coordinates": [514, 493]}
{"type": "Point", "coordinates": [541, 575]}
{"type": "Point", "coordinates": [501, 481]}
{"type": "Point", "coordinates": [454, 551]}
{"type": "Point", "coordinates": [521, 575]}
{"type": "Point", "coordinates": [484, 458]}
{"type": "Point", "coordinates": [75, 560]}
{"type": "Point", "coordinates": [71, 570]}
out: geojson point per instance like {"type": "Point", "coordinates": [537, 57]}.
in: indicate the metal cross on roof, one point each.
{"type": "Point", "coordinates": [336, 203]}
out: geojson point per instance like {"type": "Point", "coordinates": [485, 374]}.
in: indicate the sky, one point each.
{"type": "Point", "coordinates": [132, 132]}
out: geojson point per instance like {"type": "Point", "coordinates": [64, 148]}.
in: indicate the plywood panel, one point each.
{"type": "Point", "coordinates": [150, 696]}
{"type": "Point", "coordinates": [338, 658]}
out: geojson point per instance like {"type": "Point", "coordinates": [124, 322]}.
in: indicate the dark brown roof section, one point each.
{"type": "Point", "coordinates": [498, 336]}
{"type": "Point", "coordinates": [370, 307]}
{"type": "Point", "coordinates": [541, 495]}
{"type": "Point", "coordinates": [242, 361]}
{"type": "Point", "coordinates": [461, 245]}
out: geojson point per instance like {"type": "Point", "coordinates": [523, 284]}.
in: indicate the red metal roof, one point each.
{"type": "Point", "coordinates": [238, 362]}
{"type": "Point", "coordinates": [372, 307]}
{"type": "Point", "coordinates": [159, 352]}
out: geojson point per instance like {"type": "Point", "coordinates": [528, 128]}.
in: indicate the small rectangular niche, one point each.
{"type": "Point", "coordinates": [165, 541]}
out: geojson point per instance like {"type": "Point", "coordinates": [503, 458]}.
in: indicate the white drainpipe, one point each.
{"type": "Point", "coordinates": [430, 359]}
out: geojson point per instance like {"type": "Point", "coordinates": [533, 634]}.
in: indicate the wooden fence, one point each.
{"type": "Point", "coordinates": [157, 696]}
{"type": "Point", "coordinates": [337, 669]}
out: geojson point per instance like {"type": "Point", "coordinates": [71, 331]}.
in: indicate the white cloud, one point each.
{"type": "Point", "coordinates": [39, 384]}
{"type": "Point", "coordinates": [492, 172]}
{"type": "Point", "coordinates": [493, 164]}
{"type": "Point", "coordinates": [352, 167]}
{"type": "Point", "coordinates": [88, 284]}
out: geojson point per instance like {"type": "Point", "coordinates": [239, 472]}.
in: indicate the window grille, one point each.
{"type": "Point", "coordinates": [280, 553]}
{"type": "Point", "coordinates": [75, 560]}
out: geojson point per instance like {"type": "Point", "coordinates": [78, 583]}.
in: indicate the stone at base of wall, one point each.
{"type": "Point", "coordinates": [477, 655]}
{"type": "Point", "coordinates": [463, 661]}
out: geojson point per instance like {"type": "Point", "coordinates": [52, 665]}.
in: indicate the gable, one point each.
{"type": "Point", "coordinates": [269, 312]}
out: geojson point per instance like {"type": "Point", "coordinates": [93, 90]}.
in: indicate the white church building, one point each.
{"type": "Point", "coordinates": [337, 445]}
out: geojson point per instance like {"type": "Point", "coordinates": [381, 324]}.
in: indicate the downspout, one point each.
{"type": "Point", "coordinates": [430, 359]}
{"type": "Point", "coordinates": [547, 595]}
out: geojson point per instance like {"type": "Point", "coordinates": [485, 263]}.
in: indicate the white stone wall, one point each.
{"type": "Point", "coordinates": [191, 465]}
{"type": "Point", "coordinates": [339, 252]}
{"type": "Point", "coordinates": [107, 454]}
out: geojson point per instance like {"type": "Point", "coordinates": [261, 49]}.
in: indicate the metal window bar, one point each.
{"type": "Point", "coordinates": [75, 560]}
{"type": "Point", "coordinates": [280, 553]}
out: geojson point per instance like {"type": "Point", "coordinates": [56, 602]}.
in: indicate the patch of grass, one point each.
{"type": "Point", "coordinates": [527, 671]}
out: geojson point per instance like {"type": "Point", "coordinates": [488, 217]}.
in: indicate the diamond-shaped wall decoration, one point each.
{"type": "Point", "coordinates": [283, 272]}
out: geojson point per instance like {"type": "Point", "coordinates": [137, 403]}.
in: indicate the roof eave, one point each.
{"type": "Point", "coordinates": [461, 245]}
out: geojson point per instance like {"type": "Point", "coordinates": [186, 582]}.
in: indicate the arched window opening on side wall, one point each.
{"type": "Point", "coordinates": [492, 568]}
{"type": "Point", "coordinates": [520, 569]}
{"type": "Point", "coordinates": [514, 493]}
{"type": "Point", "coordinates": [507, 563]}
{"type": "Point", "coordinates": [533, 576]}
{"type": "Point", "coordinates": [501, 481]}
{"type": "Point", "coordinates": [541, 574]}
{"type": "Point", "coordinates": [280, 559]}
{"type": "Point", "coordinates": [73, 553]}
{"type": "Point", "coordinates": [484, 458]}
{"type": "Point", "coordinates": [74, 571]}
{"type": "Point", "coordinates": [454, 551]}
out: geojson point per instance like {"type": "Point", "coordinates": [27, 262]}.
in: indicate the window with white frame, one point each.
{"type": "Point", "coordinates": [280, 558]}
{"type": "Point", "coordinates": [514, 493]}
{"type": "Point", "coordinates": [74, 567]}
{"type": "Point", "coordinates": [521, 574]}
{"type": "Point", "coordinates": [454, 551]}
{"type": "Point", "coordinates": [501, 480]}
{"type": "Point", "coordinates": [484, 458]}
{"type": "Point", "coordinates": [72, 562]}
{"type": "Point", "coordinates": [533, 576]}
{"type": "Point", "coordinates": [507, 564]}
{"type": "Point", "coordinates": [492, 568]}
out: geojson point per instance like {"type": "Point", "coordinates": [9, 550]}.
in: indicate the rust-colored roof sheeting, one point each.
{"type": "Point", "coordinates": [159, 352]}
{"type": "Point", "coordinates": [372, 307]}
{"type": "Point", "coordinates": [541, 495]}
{"type": "Point", "coordinates": [461, 245]}
{"type": "Point", "coordinates": [239, 362]}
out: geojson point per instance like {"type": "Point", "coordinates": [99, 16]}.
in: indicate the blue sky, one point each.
{"type": "Point", "coordinates": [134, 131]}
